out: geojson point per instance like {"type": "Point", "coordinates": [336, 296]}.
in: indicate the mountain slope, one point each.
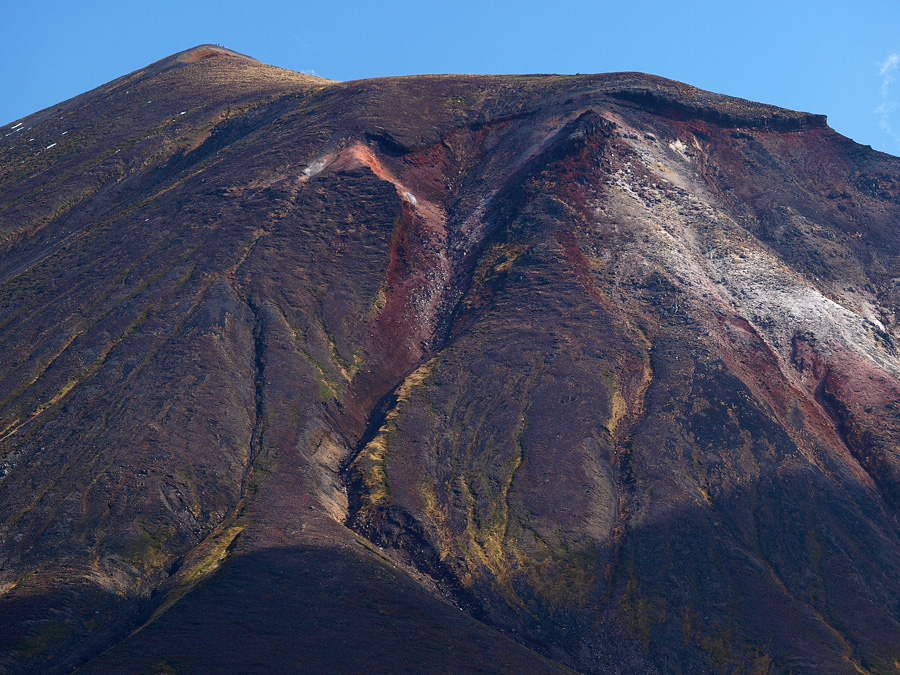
{"type": "Point", "coordinates": [295, 366]}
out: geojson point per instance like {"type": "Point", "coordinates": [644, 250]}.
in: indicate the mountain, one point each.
{"type": "Point", "coordinates": [466, 374]}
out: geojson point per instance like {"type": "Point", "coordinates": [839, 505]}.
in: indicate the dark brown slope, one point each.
{"type": "Point", "coordinates": [141, 332]}
{"type": "Point", "coordinates": [607, 362]}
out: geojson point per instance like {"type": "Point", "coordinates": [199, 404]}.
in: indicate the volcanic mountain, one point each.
{"type": "Point", "coordinates": [457, 374]}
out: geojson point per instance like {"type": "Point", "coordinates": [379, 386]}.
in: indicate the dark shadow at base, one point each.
{"type": "Point", "coordinates": [315, 610]}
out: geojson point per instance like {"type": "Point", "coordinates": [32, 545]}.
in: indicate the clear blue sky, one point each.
{"type": "Point", "coordinates": [837, 58]}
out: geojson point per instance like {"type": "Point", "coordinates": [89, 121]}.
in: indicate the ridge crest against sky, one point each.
{"type": "Point", "coordinates": [839, 61]}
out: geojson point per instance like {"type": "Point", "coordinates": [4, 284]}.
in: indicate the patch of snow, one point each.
{"type": "Point", "coordinates": [18, 124]}
{"type": "Point", "coordinates": [182, 112]}
{"type": "Point", "coordinates": [411, 197]}
{"type": "Point", "coordinates": [49, 146]}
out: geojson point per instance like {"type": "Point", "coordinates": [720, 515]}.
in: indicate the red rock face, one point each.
{"type": "Point", "coordinates": [296, 370]}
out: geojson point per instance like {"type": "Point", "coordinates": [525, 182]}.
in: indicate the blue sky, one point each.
{"type": "Point", "coordinates": [841, 59]}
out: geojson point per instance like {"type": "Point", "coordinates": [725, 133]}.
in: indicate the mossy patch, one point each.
{"type": "Point", "coordinates": [728, 655]}
{"type": "Point", "coordinates": [493, 266]}
{"type": "Point", "coordinates": [328, 388]}
{"type": "Point", "coordinates": [370, 464]}
{"type": "Point", "coordinates": [618, 406]}
{"type": "Point", "coordinates": [46, 635]}
{"type": "Point", "coordinates": [561, 575]}
{"type": "Point", "coordinates": [639, 612]}
{"type": "Point", "coordinates": [148, 549]}
{"type": "Point", "coordinates": [216, 551]}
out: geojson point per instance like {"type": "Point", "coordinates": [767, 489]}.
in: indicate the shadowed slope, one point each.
{"type": "Point", "coordinates": [315, 610]}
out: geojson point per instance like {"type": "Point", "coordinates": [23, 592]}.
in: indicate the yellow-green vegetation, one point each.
{"type": "Point", "coordinates": [327, 390]}
{"type": "Point", "coordinates": [415, 379]}
{"type": "Point", "coordinates": [328, 387]}
{"type": "Point", "coordinates": [510, 551]}
{"type": "Point", "coordinates": [196, 508]}
{"type": "Point", "coordinates": [83, 373]}
{"type": "Point", "coordinates": [42, 368]}
{"type": "Point", "coordinates": [618, 406]}
{"type": "Point", "coordinates": [215, 556]}
{"type": "Point", "coordinates": [688, 621]}
{"type": "Point", "coordinates": [497, 261]}
{"type": "Point", "coordinates": [148, 549]}
{"type": "Point", "coordinates": [640, 613]}
{"type": "Point", "coordinates": [347, 369]}
{"type": "Point", "coordinates": [11, 235]}
{"type": "Point", "coordinates": [703, 487]}
{"type": "Point", "coordinates": [214, 551]}
{"type": "Point", "coordinates": [726, 653]}
{"type": "Point", "coordinates": [47, 635]}
{"type": "Point", "coordinates": [438, 514]}
{"type": "Point", "coordinates": [495, 540]}
{"type": "Point", "coordinates": [371, 464]}
{"type": "Point", "coordinates": [68, 204]}
{"type": "Point", "coordinates": [727, 657]}
{"type": "Point", "coordinates": [457, 102]}
{"type": "Point", "coordinates": [371, 461]}
{"type": "Point", "coordinates": [560, 575]}
{"type": "Point", "coordinates": [563, 577]}
{"type": "Point", "coordinates": [86, 372]}
{"type": "Point", "coordinates": [485, 536]}
{"type": "Point", "coordinates": [378, 304]}
{"type": "Point", "coordinates": [814, 546]}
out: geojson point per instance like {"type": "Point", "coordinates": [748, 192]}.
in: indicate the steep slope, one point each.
{"type": "Point", "coordinates": [298, 369]}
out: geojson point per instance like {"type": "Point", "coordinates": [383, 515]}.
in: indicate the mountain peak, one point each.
{"type": "Point", "coordinates": [208, 51]}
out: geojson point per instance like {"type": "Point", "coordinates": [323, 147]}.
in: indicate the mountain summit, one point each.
{"type": "Point", "coordinates": [466, 374]}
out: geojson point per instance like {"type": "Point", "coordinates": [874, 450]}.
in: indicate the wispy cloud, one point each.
{"type": "Point", "coordinates": [887, 72]}
{"type": "Point", "coordinates": [889, 103]}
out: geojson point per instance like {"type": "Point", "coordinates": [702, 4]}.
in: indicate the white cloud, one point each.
{"type": "Point", "coordinates": [885, 110]}
{"type": "Point", "coordinates": [889, 103]}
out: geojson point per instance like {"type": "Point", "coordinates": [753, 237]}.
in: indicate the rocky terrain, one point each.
{"type": "Point", "coordinates": [470, 374]}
